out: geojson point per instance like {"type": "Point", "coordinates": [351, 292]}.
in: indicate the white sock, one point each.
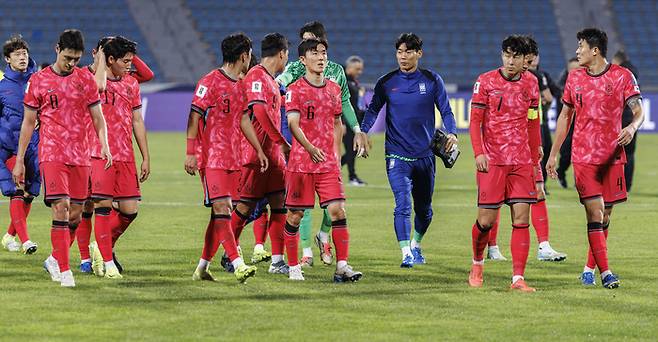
{"type": "Point", "coordinates": [237, 263]}
{"type": "Point", "coordinates": [494, 247]}
{"type": "Point", "coordinates": [324, 237]}
{"type": "Point", "coordinates": [258, 247]}
{"type": "Point", "coordinates": [307, 252]}
{"type": "Point", "coordinates": [84, 260]}
{"type": "Point", "coordinates": [476, 262]}
{"type": "Point", "coordinates": [203, 264]}
{"type": "Point", "coordinates": [605, 274]}
{"type": "Point", "coordinates": [406, 250]}
{"type": "Point", "coordinates": [340, 264]}
{"type": "Point", "coordinates": [516, 278]}
{"type": "Point", "coordinates": [276, 258]}
{"type": "Point", "coordinates": [110, 264]}
{"type": "Point", "coordinates": [415, 244]}
{"type": "Point", "coordinates": [545, 245]}
{"type": "Point", "coordinates": [587, 269]}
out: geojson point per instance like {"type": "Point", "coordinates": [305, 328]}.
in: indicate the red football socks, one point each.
{"type": "Point", "coordinates": [83, 235]}
{"type": "Point", "coordinates": [480, 238]}
{"type": "Point", "coordinates": [60, 240]}
{"type": "Point", "coordinates": [598, 251]}
{"type": "Point", "coordinates": [103, 232]}
{"type": "Point", "coordinates": [18, 218]}
{"type": "Point", "coordinates": [119, 223]}
{"type": "Point", "coordinates": [238, 221]}
{"type": "Point", "coordinates": [539, 214]}
{"type": "Point", "coordinates": [275, 229]}
{"type": "Point", "coordinates": [291, 239]}
{"type": "Point", "coordinates": [341, 238]}
{"type": "Point", "coordinates": [520, 246]}
{"type": "Point", "coordinates": [260, 229]}
{"type": "Point", "coordinates": [493, 232]}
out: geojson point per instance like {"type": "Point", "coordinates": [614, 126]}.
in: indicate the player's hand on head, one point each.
{"type": "Point", "coordinates": [190, 164]}
{"type": "Point", "coordinates": [451, 142]}
{"type": "Point", "coordinates": [481, 163]}
{"type": "Point", "coordinates": [626, 135]}
{"type": "Point", "coordinates": [145, 172]}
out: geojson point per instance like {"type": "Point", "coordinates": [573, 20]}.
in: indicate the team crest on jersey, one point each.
{"type": "Point", "coordinates": [256, 87]}
{"type": "Point", "coordinates": [201, 91]}
{"type": "Point", "coordinates": [422, 88]}
{"type": "Point", "coordinates": [608, 89]}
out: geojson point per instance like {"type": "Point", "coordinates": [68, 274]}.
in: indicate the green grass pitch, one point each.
{"type": "Point", "coordinates": [158, 301]}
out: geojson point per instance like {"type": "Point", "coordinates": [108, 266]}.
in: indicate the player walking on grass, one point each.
{"type": "Point", "coordinates": [142, 73]}
{"type": "Point", "coordinates": [505, 137]}
{"type": "Point", "coordinates": [411, 95]}
{"type": "Point", "coordinates": [597, 93]}
{"type": "Point", "coordinates": [20, 68]}
{"type": "Point", "coordinates": [119, 183]}
{"type": "Point", "coordinates": [335, 73]}
{"type": "Point", "coordinates": [538, 211]}
{"type": "Point", "coordinates": [262, 174]}
{"type": "Point", "coordinates": [64, 96]}
{"type": "Point", "coordinates": [219, 101]}
{"type": "Point", "coordinates": [313, 107]}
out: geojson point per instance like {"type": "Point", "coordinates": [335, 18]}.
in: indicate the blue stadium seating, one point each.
{"type": "Point", "coordinates": [461, 38]}
{"type": "Point", "coordinates": [41, 21]}
{"type": "Point", "coordinates": [637, 24]}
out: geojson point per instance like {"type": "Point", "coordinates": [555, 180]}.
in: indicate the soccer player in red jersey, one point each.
{"type": "Point", "coordinates": [313, 106]}
{"type": "Point", "coordinates": [121, 104]}
{"type": "Point", "coordinates": [262, 174]}
{"type": "Point", "coordinates": [504, 133]}
{"type": "Point", "coordinates": [142, 73]}
{"type": "Point", "coordinates": [219, 101]}
{"type": "Point", "coordinates": [597, 93]}
{"type": "Point", "coordinates": [64, 96]}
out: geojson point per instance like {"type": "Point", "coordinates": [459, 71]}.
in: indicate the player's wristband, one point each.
{"type": "Point", "coordinates": [356, 129]}
{"type": "Point", "coordinates": [191, 146]}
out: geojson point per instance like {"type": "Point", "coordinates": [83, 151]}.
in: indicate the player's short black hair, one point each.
{"type": "Point", "coordinates": [235, 45]}
{"type": "Point", "coordinates": [516, 44]}
{"type": "Point", "coordinates": [572, 59]}
{"type": "Point", "coordinates": [621, 55]}
{"type": "Point", "coordinates": [254, 60]}
{"type": "Point", "coordinates": [533, 48]}
{"type": "Point", "coordinates": [310, 45]}
{"type": "Point", "coordinates": [118, 47]}
{"type": "Point", "coordinates": [103, 41]}
{"type": "Point", "coordinates": [594, 38]}
{"type": "Point", "coordinates": [15, 42]}
{"type": "Point", "coordinates": [272, 44]}
{"type": "Point", "coordinates": [411, 40]}
{"type": "Point", "coordinates": [314, 27]}
{"type": "Point", "coordinates": [71, 39]}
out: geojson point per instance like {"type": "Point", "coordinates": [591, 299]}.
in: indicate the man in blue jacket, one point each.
{"type": "Point", "coordinates": [12, 89]}
{"type": "Point", "coordinates": [410, 95]}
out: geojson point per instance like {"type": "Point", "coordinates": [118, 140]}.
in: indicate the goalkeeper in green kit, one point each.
{"type": "Point", "coordinates": [335, 73]}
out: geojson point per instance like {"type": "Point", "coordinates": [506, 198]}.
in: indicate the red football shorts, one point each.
{"type": "Point", "coordinates": [219, 184]}
{"type": "Point", "coordinates": [302, 187]}
{"type": "Point", "coordinates": [118, 183]}
{"type": "Point", "coordinates": [64, 181]}
{"type": "Point", "coordinates": [605, 181]}
{"type": "Point", "coordinates": [255, 185]}
{"type": "Point", "coordinates": [506, 184]}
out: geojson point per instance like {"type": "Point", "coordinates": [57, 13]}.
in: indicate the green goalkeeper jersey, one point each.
{"type": "Point", "coordinates": [335, 73]}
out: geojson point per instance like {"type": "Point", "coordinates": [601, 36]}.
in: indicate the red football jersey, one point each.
{"type": "Point", "coordinates": [505, 123]}
{"type": "Point", "coordinates": [599, 101]}
{"type": "Point", "coordinates": [120, 98]}
{"type": "Point", "coordinates": [218, 97]}
{"type": "Point", "coordinates": [63, 104]}
{"type": "Point", "coordinates": [318, 107]}
{"type": "Point", "coordinates": [259, 86]}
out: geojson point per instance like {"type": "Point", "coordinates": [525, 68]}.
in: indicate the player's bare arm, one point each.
{"type": "Point", "coordinates": [101, 129]}
{"type": "Point", "coordinates": [627, 133]}
{"type": "Point", "coordinates": [317, 155]}
{"type": "Point", "coordinates": [139, 131]}
{"type": "Point", "coordinates": [100, 74]}
{"type": "Point", "coordinates": [27, 129]}
{"type": "Point", "coordinates": [562, 128]}
{"type": "Point", "coordinates": [192, 131]}
{"type": "Point", "coordinates": [249, 133]}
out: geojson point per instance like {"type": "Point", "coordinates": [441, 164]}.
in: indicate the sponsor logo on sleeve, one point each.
{"type": "Point", "coordinates": [256, 87]}
{"type": "Point", "coordinates": [476, 88]}
{"type": "Point", "coordinates": [201, 91]}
